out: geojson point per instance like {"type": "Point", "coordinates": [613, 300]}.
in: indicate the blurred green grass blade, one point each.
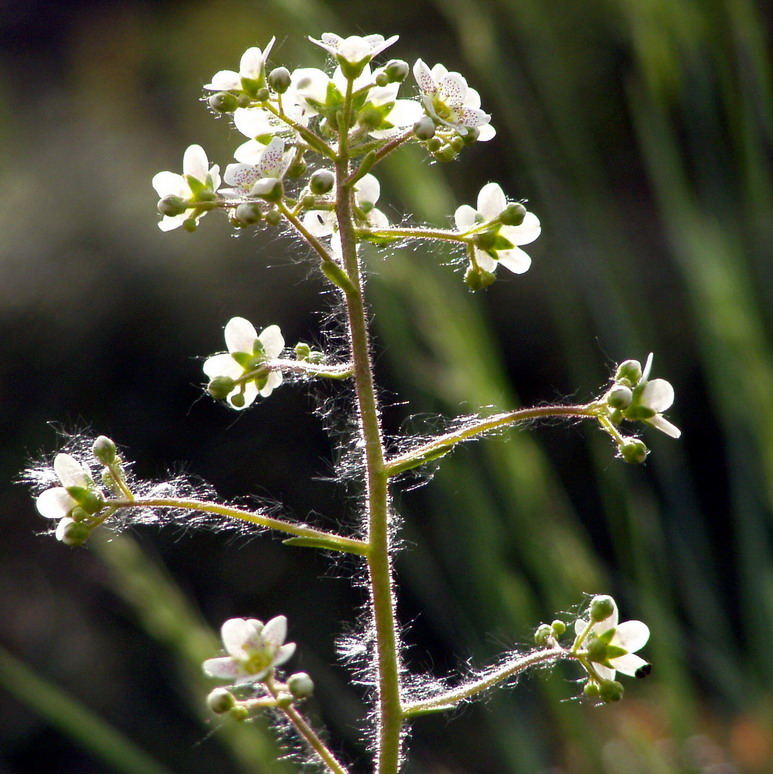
{"type": "Point", "coordinates": [75, 720]}
{"type": "Point", "coordinates": [168, 617]}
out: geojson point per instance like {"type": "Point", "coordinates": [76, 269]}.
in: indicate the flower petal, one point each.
{"type": "Point", "coordinates": [631, 635]}
{"type": "Point", "coordinates": [170, 184]}
{"type": "Point", "coordinates": [171, 222]}
{"type": "Point", "coordinates": [320, 223]}
{"type": "Point", "coordinates": [252, 122]}
{"type": "Point", "coordinates": [251, 63]}
{"type": "Point", "coordinates": [515, 259]}
{"type": "Point", "coordinates": [236, 633]}
{"type": "Point", "coordinates": [491, 201]}
{"type": "Point", "coordinates": [240, 335]}
{"type": "Point", "coordinates": [274, 380]}
{"type": "Point", "coordinates": [662, 424]}
{"type": "Point", "coordinates": [526, 232]}
{"type": "Point", "coordinates": [486, 133]}
{"type": "Point", "coordinates": [627, 664]}
{"type": "Point", "coordinates": [55, 503]}
{"type": "Point", "coordinates": [485, 261]}
{"type": "Point", "coordinates": [62, 526]}
{"type": "Point", "coordinates": [224, 80]}
{"type": "Point", "coordinates": [423, 76]}
{"type": "Point", "coordinates": [275, 630]}
{"type": "Point", "coordinates": [70, 471]}
{"type": "Point", "coordinates": [605, 673]}
{"type": "Point", "coordinates": [195, 162]}
{"type": "Point", "coordinates": [225, 668]}
{"type": "Point", "coordinates": [222, 365]}
{"type": "Point", "coordinates": [284, 653]}
{"type": "Point", "coordinates": [272, 340]}
{"type": "Point", "coordinates": [367, 189]}
{"type": "Point", "coordinates": [645, 374]}
{"type": "Point", "coordinates": [465, 217]}
{"type": "Point", "coordinates": [657, 395]}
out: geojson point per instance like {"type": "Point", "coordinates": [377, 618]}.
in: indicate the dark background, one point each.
{"type": "Point", "coordinates": [639, 130]}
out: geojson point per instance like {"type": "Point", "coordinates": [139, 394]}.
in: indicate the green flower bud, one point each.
{"type": "Point", "coordinates": [611, 690]}
{"type": "Point", "coordinates": [75, 534]}
{"type": "Point", "coordinates": [558, 627]}
{"type": "Point", "coordinates": [397, 70]}
{"type": "Point", "coordinates": [91, 501]}
{"type": "Point", "coordinates": [171, 206]}
{"type": "Point", "coordinates": [633, 451]}
{"type": "Point", "coordinates": [223, 102]}
{"type": "Point", "coordinates": [103, 449]}
{"type": "Point", "coordinates": [284, 701]}
{"type": "Point", "coordinates": [370, 118]}
{"type": "Point", "coordinates": [262, 95]}
{"type": "Point", "coordinates": [513, 214]}
{"type": "Point", "coordinates": [271, 192]}
{"type": "Point", "coordinates": [457, 143]}
{"type": "Point", "coordinates": [220, 386]}
{"type": "Point", "coordinates": [220, 700]}
{"type": "Point", "coordinates": [243, 100]}
{"type": "Point", "coordinates": [279, 79]}
{"type": "Point", "coordinates": [322, 182]}
{"type": "Point", "coordinates": [297, 168]}
{"type": "Point", "coordinates": [447, 154]}
{"type": "Point", "coordinates": [190, 225]}
{"type": "Point", "coordinates": [238, 399]}
{"type": "Point", "coordinates": [643, 671]}
{"type": "Point", "coordinates": [79, 514]}
{"type": "Point", "coordinates": [620, 396]}
{"type": "Point", "coordinates": [486, 240]}
{"type": "Point", "coordinates": [300, 685]}
{"type": "Point", "coordinates": [239, 713]}
{"type": "Point", "coordinates": [424, 129]}
{"type": "Point", "coordinates": [302, 351]}
{"type": "Point", "coordinates": [434, 144]}
{"type": "Point", "coordinates": [315, 356]}
{"type": "Point", "coordinates": [628, 373]}
{"type": "Point", "coordinates": [382, 79]}
{"type": "Point", "coordinates": [248, 214]}
{"type": "Point", "coordinates": [476, 279]}
{"type": "Point", "coordinates": [601, 607]}
{"type": "Point", "coordinates": [273, 217]}
{"type": "Point", "coordinates": [591, 689]}
{"type": "Point", "coordinates": [471, 136]}
{"type": "Point", "coordinates": [543, 633]}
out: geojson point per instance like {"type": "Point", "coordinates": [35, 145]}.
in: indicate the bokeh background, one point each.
{"type": "Point", "coordinates": [640, 132]}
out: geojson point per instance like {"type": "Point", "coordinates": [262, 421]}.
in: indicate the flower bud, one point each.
{"type": "Point", "coordinates": [447, 154]}
{"type": "Point", "coordinates": [397, 70]}
{"type": "Point", "coordinates": [601, 607]}
{"type": "Point", "coordinates": [73, 534]}
{"type": "Point", "coordinates": [321, 182]}
{"type": "Point", "coordinates": [262, 95]}
{"type": "Point", "coordinates": [91, 501]}
{"type": "Point", "coordinates": [248, 214]}
{"type": "Point", "coordinates": [471, 136]}
{"type": "Point", "coordinates": [558, 627]}
{"type": "Point", "coordinates": [543, 634]}
{"type": "Point", "coordinates": [302, 351]}
{"type": "Point", "coordinates": [628, 373]}
{"type": "Point", "coordinates": [79, 514]}
{"type": "Point", "coordinates": [171, 206]}
{"type": "Point", "coordinates": [633, 451]}
{"type": "Point", "coordinates": [370, 118]}
{"type": "Point", "coordinates": [434, 144]}
{"type": "Point", "coordinates": [457, 143]}
{"type": "Point", "coordinates": [513, 214]}
{"type": "Point", "coordinates": [238, 400]}
{"type": "Point", "coordinates": [190, 225]}
{"type": "Point", "coordinates": [243, 100]}
{"type": "Point", "coordinates": [477, 278]}
{"type": "Point", "coordinates": [297, 168]}
{"type": "Point", "coordinates": [620, 396]}
{"type": "Point", "coordinates": [239, 713]}
{"type": "Point", "coordinates": [220, 701]}
{"type": "Point", "coordinates": [268, 188]}
{"type": "Point", "coordinates": [223, 102]}
{"type": "Point", "coordinates": [382, 79]}
{"type": "Point", "coordinates": [103, 449]}
{"type": "Point", "coordinates": [300, 685]}
{"type": "Point", "coordinates": [220, 386]}
{"type": "Point", "coordinates": [591, 689]}
{"type": "Point", "coordinates": [273, 217]}
{"type": "Point", "coordinates": [424, 128]}
{"type": "Point", "coordinates": [279, 79]}
{"type": "Point", "coordinates": [611, 690]}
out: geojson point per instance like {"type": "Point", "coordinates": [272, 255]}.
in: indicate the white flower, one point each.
{"type": "Point", "coordinates": [398, 113]}
{"type": "Point", "coordinates": [197, 179]}
{"type": "Point", "coordinates": [317, 91]}
{"type": "Point", "coordinates": [491, 203]}
{"type": "Point", "coordinates": [367, 189]}
{"type": "Point", "coordinates": [264, 168]}
{"type": "Point", "coordinates": [261, 126]}
{"type": "Point", "coordinates": [246, 352]}
{"type": "Point", "coordinates": [448, 100]}
{"type": "Point", "coordinates": [58, 502]}
{"type": "Point", "coordinates": [253, 648]}
{"type": "Point", "coordinates": [656, 395]}
{"type": "Point", "coordinates": [628, 636]}
{"type": "Point", "coordinates": [354, 49]}
{"type": "Point", "coordinates": [251, 67]}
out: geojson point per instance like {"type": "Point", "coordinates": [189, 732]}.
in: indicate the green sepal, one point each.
{"type": "Point", "coordinates": [635, 412]}
{"type": "Point", "coordinates": [245, 359]}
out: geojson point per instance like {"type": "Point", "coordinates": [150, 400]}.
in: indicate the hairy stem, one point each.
{"type": "Point", "coordinates": [377, 492]}
{"type": "Point", "coordinates": [441, 445]}
{"type": "Point", "coordinates": [330, 539]}
{"type": "Point", "coordinates": [491, 678]}
{"type": "Point", "coordinates": [307, 733]}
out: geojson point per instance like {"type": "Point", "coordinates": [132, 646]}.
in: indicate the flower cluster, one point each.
{"type": "Point", "coordinates": [244, 372]}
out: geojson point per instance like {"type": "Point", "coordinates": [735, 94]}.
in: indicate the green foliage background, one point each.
{"type": "Point", "coordinates": [640, 131]}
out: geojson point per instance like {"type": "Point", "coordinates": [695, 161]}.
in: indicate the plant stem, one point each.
{"type": "Point", "coordinates": [335, 542]}
{"type": "Point", "coordinates": [444, 443]}
{"type": "Point", "coordinates": [307, 732]}
{"type": "Point", "coordinates": [489, 680]}
{"type": "Point", "coordinates": [413, 233]}
{"type": "Point", "coordinates": [382, 601]}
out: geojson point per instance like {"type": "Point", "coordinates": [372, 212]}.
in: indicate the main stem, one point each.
{"type": "Point", "coordinates": [382, 601]}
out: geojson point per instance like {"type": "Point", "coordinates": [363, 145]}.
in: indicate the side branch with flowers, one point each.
{"type": "Point", "coordinates": [313, 139]}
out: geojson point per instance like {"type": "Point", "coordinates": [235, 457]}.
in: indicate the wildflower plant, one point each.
{"type": "Point", "coordinates": [315, 139]}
